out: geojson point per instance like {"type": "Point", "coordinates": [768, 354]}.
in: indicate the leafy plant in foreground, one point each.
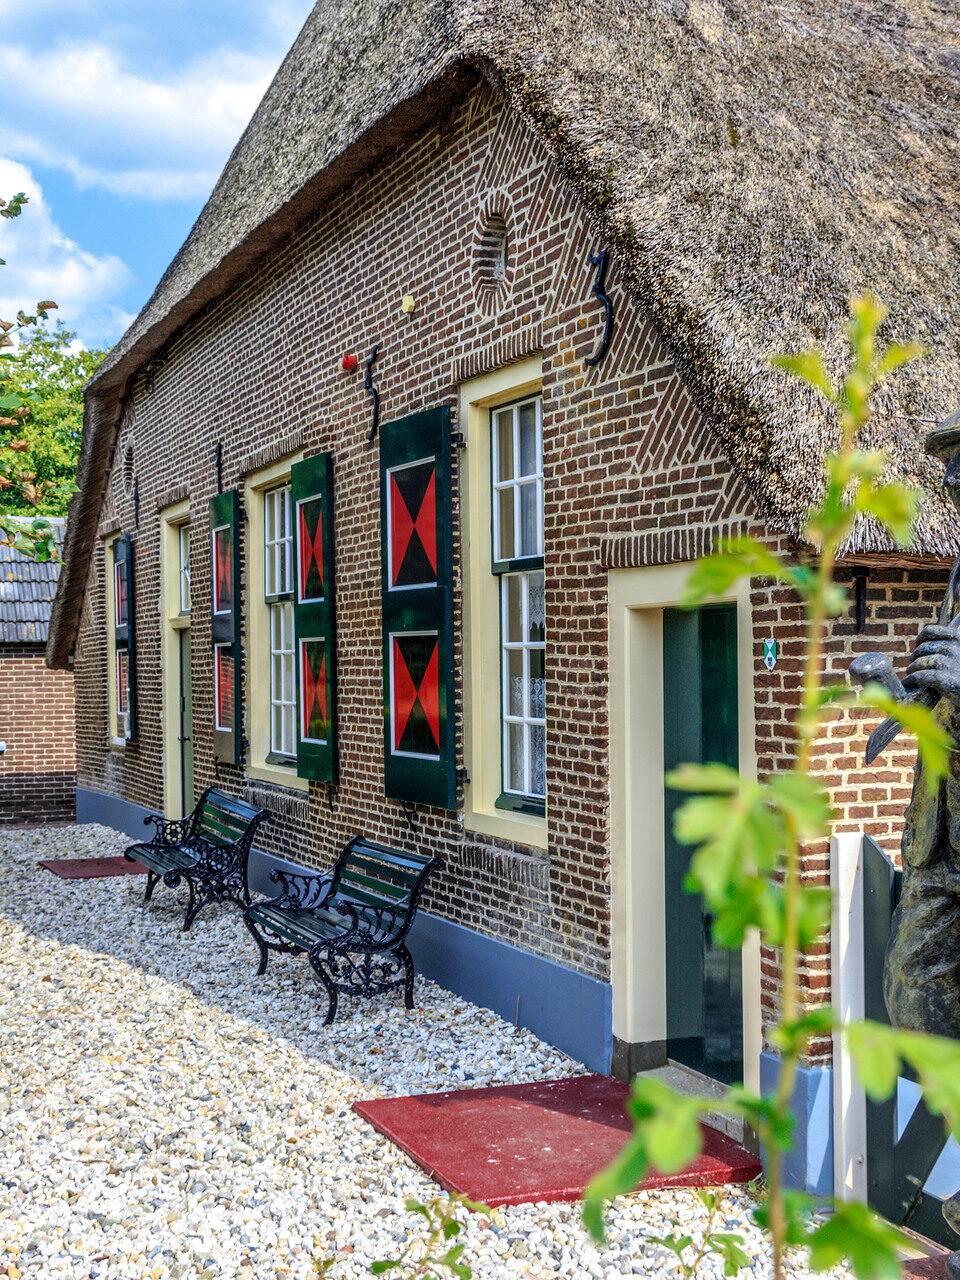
{"type": "Point", "coordinates": [436, 1256]}
{"type": "Point", "coordinates": [749, 838]}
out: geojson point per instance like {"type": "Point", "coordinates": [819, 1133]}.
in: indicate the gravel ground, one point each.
{"type": "Point", "coordinates": [166, 1114]}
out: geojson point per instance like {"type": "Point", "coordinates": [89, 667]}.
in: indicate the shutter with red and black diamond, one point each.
{"type": "Point", "coordinates": [417, 593]}
{"type": "Point", "coordinates": [225, 626]}
{"type": "Point", "coordinates": [311, 484]}
{"type": "Point", "coordinates": [125, 683]}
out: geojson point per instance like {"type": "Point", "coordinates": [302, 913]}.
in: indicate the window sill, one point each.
{"type": "Point", "coordinates": [280, 775]}
{"type": "Point", "coordinates": [180, 621]}
{"type": "Point", "coordinates": [503, 824]}
{"type": "Point", "coordinates": [521, 804]}
{"type": "Point", "coordinates": [118, 744]}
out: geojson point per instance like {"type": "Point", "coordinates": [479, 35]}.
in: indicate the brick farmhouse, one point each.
{"type": "Point", "coordinates": [456, 629]}
{"type": "Point", "coordinates": [38, 756]}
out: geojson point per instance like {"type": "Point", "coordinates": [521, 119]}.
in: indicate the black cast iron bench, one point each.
{"type": "Point", "coordinates": [351, 922]}
{"type": "Point", "coordinates": [210, 849]}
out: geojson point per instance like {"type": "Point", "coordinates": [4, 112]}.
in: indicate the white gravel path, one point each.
{"type": "Point", "coordinates": [166, 1114]}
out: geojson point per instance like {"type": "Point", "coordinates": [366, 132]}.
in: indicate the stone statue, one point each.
{"type": "Point", "coordinates": [921, 972]}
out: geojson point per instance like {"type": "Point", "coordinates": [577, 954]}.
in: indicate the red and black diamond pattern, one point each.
{"type": "Point", "coordinates": [223, 570]}
{"type": "Point", "coordinates": [416, 695]}
{"type": "Point", "coordinates": [413, 525]}
{"type": "Point", "coordinates": [310, 548]}
{"type": "Point", "coordinates": [313, 690]}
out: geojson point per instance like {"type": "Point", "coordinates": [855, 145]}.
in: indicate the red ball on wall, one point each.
{"type": "Point", "coordinates": [349, 364]}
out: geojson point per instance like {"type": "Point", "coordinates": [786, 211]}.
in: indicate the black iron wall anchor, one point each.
{"type": "Point", "coordinates": [136, 502]}
{"type": "Point", "coordinates": [368, 386]}
{"type": "Point", "coordinates": [218, 463]}
{"type": "Point", "coordinates": [599, 288]}
{"type": "Point", "coordinates": [409, 811]}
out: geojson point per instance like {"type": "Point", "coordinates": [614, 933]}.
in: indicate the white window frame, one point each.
{"type": "Point", "coordinates": [525, 719]}
{"type": "Point", "coordinates": [183, 553]}
{"type": "Point", "coordinates": [278, 589]}
{"type": "Point", "coordinates": [517, 482]}
{"type": "Point", "coordinates": [482, 706]}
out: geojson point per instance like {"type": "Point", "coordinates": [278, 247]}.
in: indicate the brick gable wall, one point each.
{"type": "Point", "coordinates": [38, 767]}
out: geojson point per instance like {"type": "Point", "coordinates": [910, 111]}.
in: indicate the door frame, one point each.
{"type": "Point", "coordinates": [636, 600]}
{"type": "Point", "coordinates": [172, 518]}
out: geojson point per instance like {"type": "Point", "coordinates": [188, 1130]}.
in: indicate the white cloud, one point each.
{"type": "Point", "coordinates": [113, 128]}
{"type": "Point", "coordinates": [44, 263]}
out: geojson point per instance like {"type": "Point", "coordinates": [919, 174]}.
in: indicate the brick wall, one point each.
{"type": "Point", "coordinates": [38, 767]}
{"type": "Point", "coordinates": [633, 475]}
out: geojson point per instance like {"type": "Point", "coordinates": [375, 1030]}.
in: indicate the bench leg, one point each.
{"type": "Point", "coordinates": [264, 949]}
{"type": "Point", "coordinates": [192, 906]}
{"type": "Point", "coordinates": [406, 959]}
{"type": "Point", "coordinates": [152, 879]}
{"type": "Point", "coordinates": [328, 985]}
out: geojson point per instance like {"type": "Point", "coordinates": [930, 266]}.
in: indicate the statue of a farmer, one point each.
{"type": "Point", "coordinates": [921, 972]}
{"type": "Point", "coordinates": [921, 979]}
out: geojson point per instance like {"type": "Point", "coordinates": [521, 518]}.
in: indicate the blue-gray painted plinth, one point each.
{"type": "Point", "coordinates": [809, 1166]}
{"type": "Point", "coordinates": [567, 1009]}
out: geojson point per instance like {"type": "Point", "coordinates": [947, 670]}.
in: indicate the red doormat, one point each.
{"type": "Point", "coordinates": [518, 1143]}
{"type": "Point", "coordinates": [88, 868]}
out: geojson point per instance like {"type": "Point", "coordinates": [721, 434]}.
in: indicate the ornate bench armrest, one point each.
{"type": "Point", "coordinates": [298, 890]}
{"type": "Point", "coordinates": [168, 830]}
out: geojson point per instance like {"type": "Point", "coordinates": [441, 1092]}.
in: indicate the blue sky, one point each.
{"type": "Point", "coordinates": [118, 117]}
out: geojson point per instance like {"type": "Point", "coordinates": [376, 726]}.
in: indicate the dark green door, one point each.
{"type": "Point", "coordinates": [186, 724]}
{"type": "Point", "coordinates": [704, 982]}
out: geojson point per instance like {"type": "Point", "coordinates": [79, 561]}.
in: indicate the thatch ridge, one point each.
{"type": "Point", "coordinates": [753, 163]}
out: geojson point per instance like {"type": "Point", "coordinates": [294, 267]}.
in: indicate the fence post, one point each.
{"type": "Point", "coordinates": [847, 982]}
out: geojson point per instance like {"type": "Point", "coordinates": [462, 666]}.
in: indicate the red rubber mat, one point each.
{"type": "Point", "coordinates": [518, 1143]}
{"type": "Point", "coordinates": [89, 868]}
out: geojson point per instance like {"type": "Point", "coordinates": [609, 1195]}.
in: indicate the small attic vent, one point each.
{"type": "Point", "coordinates": [492, 253]}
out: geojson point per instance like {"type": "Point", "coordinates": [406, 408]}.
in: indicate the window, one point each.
{"type": "Point", "coordinates": [123, 694]}
{"type": "Point", "coordinates": [184, 549]}
{"type": "Point", "coordinates": [278, 595]}
{"type": "Point", "coordinates": [517, 501]}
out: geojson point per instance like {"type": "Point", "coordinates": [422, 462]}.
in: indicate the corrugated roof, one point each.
{"type": "Point", "coordinates": [26, 593]}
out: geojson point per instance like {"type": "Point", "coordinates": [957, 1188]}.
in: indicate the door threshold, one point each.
{"type": "Point", "coordinates": [693, 1084]}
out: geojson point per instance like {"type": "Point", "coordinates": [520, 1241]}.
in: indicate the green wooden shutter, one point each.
{"type": "Point", "coordinates": [417, 593]}
{"type": "Point", "coordinates": [225, 626]}
{"type": "Point", "coordinates": [125, 677]}
{"type": "Point", "coordinates": [311, 483]}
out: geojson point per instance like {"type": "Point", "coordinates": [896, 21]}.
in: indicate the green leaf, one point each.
{"type": "Point", "coordinates": [876, 1057]}
{"type": "Point", "coordinates": [894, 505]}
{"type": "Point", "coordinates": [933, 743]}
{"type": "Point", "coordinates": [453, 1255]}
{"type": "Point", "coordinates": [704, 778]}
{"type": "Point", "coordinates": [378, 1268]}
{"type": "Point", "coordinates": [451, 1229]}
{"type": "Point", "coordinates": [742, 557]}
{"type": "Point", "coordinates": [854, 1233]}
{"type": "Point", "coordinates": [896, 355]}
{"type": "Point", "coordinates": [792, 1037]}
{"type": "Point", "coordinates": [809, 367]}
{"type": "Point", "coordinates": [803, 802]}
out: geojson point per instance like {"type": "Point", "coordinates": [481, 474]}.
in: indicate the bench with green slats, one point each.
{"type": "Point", "coordinates": [209, 849]}
{"type": "Point", "coordinates": [352, 923]}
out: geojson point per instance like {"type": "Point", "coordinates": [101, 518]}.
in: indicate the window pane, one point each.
{"type": "Point", "coordinates": [529, 461]}
{"type": "Point", "coordinates": [529, 520]}
{"type": "Point", "coordinates": [538, 697]}
{"type": "Point", "coordinates": [506, 549]}
{"type": "Point", "coordinates": [538, 762]}
{"type": "Point", "coordinates": [513, 608]}
{"type": "Point", "coordinates": [514, 766]}
{"type": "Point", "coordinates": [515, 698]}
{"type": "Point", "coordinates": [505, 445]}
{"type": "Point", "coordinates": [536, 607]}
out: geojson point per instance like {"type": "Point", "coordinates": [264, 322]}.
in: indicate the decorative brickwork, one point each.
{"type": "Point", "coordinates": [38, 767]}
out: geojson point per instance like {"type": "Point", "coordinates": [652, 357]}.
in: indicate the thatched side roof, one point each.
{"type": "Point", "coordinates": [753, 163]}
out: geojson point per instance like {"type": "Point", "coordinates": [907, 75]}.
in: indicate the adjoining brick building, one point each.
{"type": "Point", "coordinates": [459, 631]}
{"type": "Point", "coordinates": [38, 753]}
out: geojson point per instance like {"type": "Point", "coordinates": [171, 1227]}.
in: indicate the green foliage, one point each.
{"type": "Point", "coordinates": [433, 1256]}
{"type": "Point", "coordinates": [726, 1245]}
{"type": "Point", "coordinates": [47, 375]}
{"type": "Point", "coordinates": [748, 838]}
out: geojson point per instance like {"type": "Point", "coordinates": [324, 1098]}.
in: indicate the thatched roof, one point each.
{"type": "Point", "coordinates": [27, 589]}
{"type": "Point", "coordinates": [753, 163]}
